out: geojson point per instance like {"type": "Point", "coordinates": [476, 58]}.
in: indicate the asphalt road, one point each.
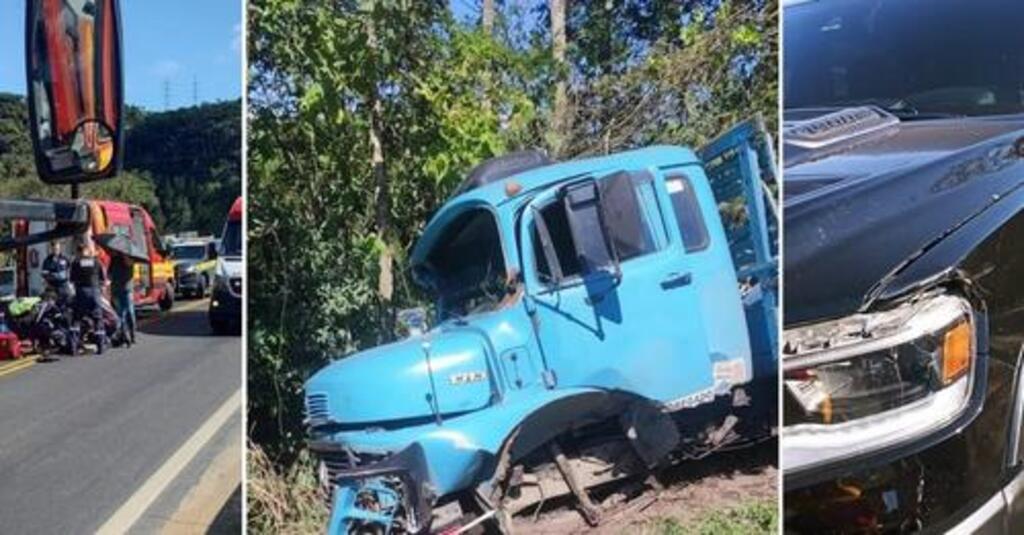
{"type": "Point", "coordinates": [80, 436]}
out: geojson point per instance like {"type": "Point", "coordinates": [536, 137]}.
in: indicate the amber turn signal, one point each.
{"type": "Point", "coordinates": [956, 352]}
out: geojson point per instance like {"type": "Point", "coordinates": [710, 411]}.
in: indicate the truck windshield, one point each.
{"type": "Point", "coordinates": [467, 265]}
{"type": "Point", "coordinates": [231, 241]}
{"type": "Point", "coordinates": [188, 252]}
{"type": "Point", "coordinates": [913, 57]}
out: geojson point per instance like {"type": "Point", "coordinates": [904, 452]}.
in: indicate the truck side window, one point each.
{"type": "Point", "coordinates": [688, 214]}
{"type": "Point", "coordinates": [558, 228]}
{"type": "Point", "coordinates": [629, 229]}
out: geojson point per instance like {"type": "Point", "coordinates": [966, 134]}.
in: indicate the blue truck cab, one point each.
{"type": "Point", "coordinates": [593, 320]}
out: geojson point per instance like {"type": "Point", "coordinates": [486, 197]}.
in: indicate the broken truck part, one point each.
{"type": "Point", "coordinates": [595, 320]}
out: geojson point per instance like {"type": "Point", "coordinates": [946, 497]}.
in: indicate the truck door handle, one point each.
{"type": "Point", "coordinates": [676, 280]}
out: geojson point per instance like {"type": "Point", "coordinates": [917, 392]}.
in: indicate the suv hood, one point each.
{"type": "Point", "coordinates": [868, 203]}
{"type": "Point", "coordinates": [230, 266]}
{"type": "Point", "coordinates": [392, 385]}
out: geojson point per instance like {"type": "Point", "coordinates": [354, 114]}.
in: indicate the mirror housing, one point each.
{"type": "Point", "coordinates": [585, 213]}
{"type": "Point", "coordinates": [75, 89]}
{"type": "Point", "coordinates": [413, 320]}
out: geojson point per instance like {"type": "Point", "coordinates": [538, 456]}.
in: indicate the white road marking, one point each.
{"type": "Point", "coordinates": [129, 513]}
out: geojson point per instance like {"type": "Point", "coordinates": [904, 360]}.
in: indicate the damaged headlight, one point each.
{"type": "Point", "coordinates": [873, 381]}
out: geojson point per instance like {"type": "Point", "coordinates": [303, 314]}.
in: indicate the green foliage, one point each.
{"type": "Point", "coordinates": [750, 519]}
{"type": "Point", "coordinates": [641, 72]}
{"type": "Point", "coordinates": [194, 157]}
{"type": "Point", "coordinates": [183, 166]}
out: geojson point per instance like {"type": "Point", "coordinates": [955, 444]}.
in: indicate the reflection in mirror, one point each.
{"type": "Point", "coordinates": [92, 147]}
{"type": "Point", "coordinates": [73, 61]}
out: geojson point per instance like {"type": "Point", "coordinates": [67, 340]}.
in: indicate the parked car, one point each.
{"type": "Point", "coordinates": [225, 311]}
{"type": "Point", "coordinates": [904, 295]}
{"type": "Point", "coordinates": [195, 263]}
{"type": "Point", "coordinates": [594, 319]}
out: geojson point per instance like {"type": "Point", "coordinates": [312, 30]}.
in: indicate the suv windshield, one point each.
{"type": "Point", "coordinates": [946, 57]}
{"type": "Point", "coordinates": [188, 252]}
{"type": "Point", "coordinates": [231, 241]}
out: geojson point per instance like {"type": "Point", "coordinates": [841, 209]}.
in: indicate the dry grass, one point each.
{"type": "Point", "coordinates": [286, 502]}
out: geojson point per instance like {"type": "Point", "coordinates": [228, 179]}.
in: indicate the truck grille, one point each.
{"type": "Point", "coordinates": [337, 461]}
{"type": "Point", "coordinates": [316, 407]}
{"type": "Point", "coordinates": [345, 459]}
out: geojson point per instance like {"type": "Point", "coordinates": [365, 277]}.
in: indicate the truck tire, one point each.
{"type": "Point", "coordinates": [167, 300]}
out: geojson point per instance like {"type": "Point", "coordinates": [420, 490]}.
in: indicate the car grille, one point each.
{"type": "Point", "coordinates": [236, 285]}
{"type": "Point", "coordinates": [316, 407]}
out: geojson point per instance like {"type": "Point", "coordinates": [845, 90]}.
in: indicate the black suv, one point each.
{"type": "Point", "coordinates": [904, 266]}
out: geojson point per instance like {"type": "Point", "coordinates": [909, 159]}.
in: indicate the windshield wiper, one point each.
{"type": "Point", "coordinates": [899, 108]}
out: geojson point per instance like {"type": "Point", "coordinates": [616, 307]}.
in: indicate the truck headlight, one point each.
{"type": "Point", "coordinates": [878, 380]}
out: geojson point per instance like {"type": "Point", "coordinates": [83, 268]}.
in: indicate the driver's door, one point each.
{"type": "Point", "coordinates": [642, 334]}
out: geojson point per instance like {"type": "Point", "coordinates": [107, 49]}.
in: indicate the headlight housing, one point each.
{"type": "Point", "coordinates": [873, 381]}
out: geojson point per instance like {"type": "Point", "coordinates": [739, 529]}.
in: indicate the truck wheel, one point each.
{"type": "Point", "coordinates": [167, 301]}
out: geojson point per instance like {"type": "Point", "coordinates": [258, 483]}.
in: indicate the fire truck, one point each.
{"type": "Point", "coordinates": [154, 279]}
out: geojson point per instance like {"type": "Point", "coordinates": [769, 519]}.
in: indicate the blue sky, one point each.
{"type": "Point", "coordinates": [172, 41]}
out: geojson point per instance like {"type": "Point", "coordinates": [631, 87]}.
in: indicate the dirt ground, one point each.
{"type": "Point", "coordinates": [690, 490]}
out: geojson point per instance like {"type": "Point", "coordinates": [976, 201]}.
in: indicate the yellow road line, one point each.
{"type": "Point", "coordinates": [129, 513]}
{"type": "Point", "coordinates": [149, 320]}
{"type": "Point", "coordinates": [17, 367]}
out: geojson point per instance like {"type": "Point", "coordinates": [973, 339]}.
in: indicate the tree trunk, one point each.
{"type": "Point", "coordinates": [381, 197]}
{"type": "Point", "coordinates": [560, 113]}
{"type": "Point", "coordinates": [488, 17]}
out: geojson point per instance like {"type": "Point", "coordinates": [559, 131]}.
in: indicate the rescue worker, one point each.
{"type": "Point", "coordinates": [56, 268]}
{"type": "Point", "coordinates": [88, 277]}
{"type": "Point", "coordinates": [122, 284]}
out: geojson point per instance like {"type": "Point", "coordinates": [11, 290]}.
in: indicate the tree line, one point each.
{"type": "Point", "coordinates": [184, 166]}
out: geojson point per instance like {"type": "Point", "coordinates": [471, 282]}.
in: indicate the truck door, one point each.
{"type": "Point", "coordinates": [740, 167]}
{"type": "Point", "coordinates": [639, 329]}
{"type": "Point", "coordinates": [143, 270]}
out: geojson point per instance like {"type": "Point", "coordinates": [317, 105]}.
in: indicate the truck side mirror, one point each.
{"type": "Point", "coordinates": [75, 96]}
{"type": "Point", "coordinates": [590, 236]}
{"type": "Point", "coordinates": [413, 320]}
{"type": "Point", "coordinates": [607, 226]}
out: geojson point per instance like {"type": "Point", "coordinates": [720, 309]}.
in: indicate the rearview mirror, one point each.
{"type": "Point", "coordinates": [75, 96]}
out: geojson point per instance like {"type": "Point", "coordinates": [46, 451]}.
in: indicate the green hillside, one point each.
{"type": "Point", "coordinates": [183, 165]}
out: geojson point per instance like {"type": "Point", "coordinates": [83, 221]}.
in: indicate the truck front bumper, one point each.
{"type": "Point", "coordinates": [188, 282]}
{"type": "Point", "coordinates": [391, 491]}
